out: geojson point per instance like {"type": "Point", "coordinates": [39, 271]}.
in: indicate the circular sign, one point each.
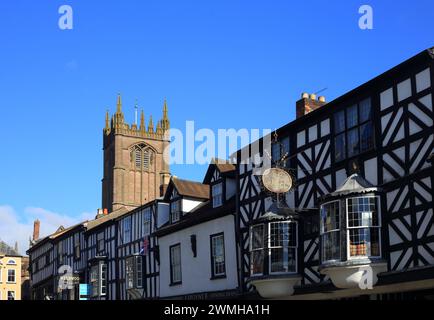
{"type": "Point", "coordinates": [277, 180]}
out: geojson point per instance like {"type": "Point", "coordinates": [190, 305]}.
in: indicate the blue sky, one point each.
{"type": "Point", "coordinates": [223, 64]}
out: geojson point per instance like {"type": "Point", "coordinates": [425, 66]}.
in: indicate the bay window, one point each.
{"type": "Point", "coordinates": [363, 227]}
{"type": "Point", "coordinates": [273, 248]}
{"type": "Point", "coordinates": [330, 231]}
{"type": "Point", "coordinates": [98, 279]}
{"type": "Point", "coordinates": [359, 233]}
{"type": "Point", "coordinates": [134, 272]}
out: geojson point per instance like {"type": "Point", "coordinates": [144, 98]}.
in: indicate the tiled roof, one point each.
{"type": "Point", "coordinates": [223, 165]}
{"type": "Point", "coordinates": [191, 188]}
{"type": "Point", "coordinates": [111, 216]}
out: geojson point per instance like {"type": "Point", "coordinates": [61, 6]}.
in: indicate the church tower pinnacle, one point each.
{"type": "Point", "coordinates": [135, 160]}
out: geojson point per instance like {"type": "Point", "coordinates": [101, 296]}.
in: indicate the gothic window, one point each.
{"type": "Point", "coordinates": [141, 157]}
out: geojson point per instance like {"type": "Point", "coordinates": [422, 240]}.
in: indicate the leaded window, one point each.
{"type": "Point", "coordinates": [363, 227]}
{"type": "Point", "coordinates": [330, 231]}
{"type": "Point", "coordinates": [353, 130]}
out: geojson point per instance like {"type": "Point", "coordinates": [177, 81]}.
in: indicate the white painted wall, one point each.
{"type": "Point", "coordinates": [188, 205]}
{"type": "Point", "coordinates": [196, 272]}
{"type": "Point", "coordinates": [231, 188]}
{"type": "Point", "coordinates": [163, 210]}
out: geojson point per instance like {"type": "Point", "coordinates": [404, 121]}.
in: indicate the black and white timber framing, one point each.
{"type": "Point", "coordinates": [395, 159]}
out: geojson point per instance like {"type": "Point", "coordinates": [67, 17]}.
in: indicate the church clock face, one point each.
{"type": "Point", "coordinates": [277, 180]}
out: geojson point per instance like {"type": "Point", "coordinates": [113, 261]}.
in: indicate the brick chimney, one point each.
{"type": "Point", "coordinates": [308, 103]}
{"type": "Point", "coordinates": [36, 227]}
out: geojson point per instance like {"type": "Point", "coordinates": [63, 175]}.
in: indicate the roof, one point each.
{"type": "Point", "coordinates": [109, 217]}
{"type": "Point", "coordinates": [203, 213]}
{"type": "Point", "coordinates": [425, 56]}
{"type": "Point", "coordinates": [7, 250]}
{"type": "Point", "coordinates": [354, 184]}
{"type": "Point", "coordinates": [192, 189]}
{"type": "Point", "coordinates": [223, 165]}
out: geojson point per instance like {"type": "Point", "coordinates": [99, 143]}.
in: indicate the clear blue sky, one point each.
{"type": "Point", "coordinates": [223, 64]}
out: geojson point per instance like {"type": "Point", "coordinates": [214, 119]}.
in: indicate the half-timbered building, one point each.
{"type": "Point", "coordinates": [382, 132]}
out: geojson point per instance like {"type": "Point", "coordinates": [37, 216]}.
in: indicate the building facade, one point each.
{"type": "Point", "coordinates": [135, 171]}
{"type": "Point", "coordinates": [358, 222]}
{"type": "Point", "coordinates": [10, 273]}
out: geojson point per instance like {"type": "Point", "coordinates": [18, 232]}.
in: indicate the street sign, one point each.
{"type": "Point", "coordinates": [84, 291]}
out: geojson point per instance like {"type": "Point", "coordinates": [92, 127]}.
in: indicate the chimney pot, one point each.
{"type": "Point", "coordinates": [305, 95]}
{"type": "Point", "coordinates": [321, 99]}
{"type": "Point", "coordinates": [312, 96]}
{"type": "Point", "coordinates": [105, 211]}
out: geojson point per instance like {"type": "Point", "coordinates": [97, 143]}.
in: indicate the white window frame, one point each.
{"type": "Point", "coordinates": [172, 266]}
{"type": "Point", "coordinates": [175, 216]}
{"type": "Point", "coordinates": [103, 280]}
{"type": "Point", "coordinates": [217, 194]}
{"type": "Point", "coordinates": [147, 217]}
{"type": "Point", "coordinates": [321, 233]}
{"type": "Point", "coordinates": [14, 275]}
{"type": "Point", "coordinates": [277, 247]}
{"type": "Point", "coordinates": [349, 257]}
{"type": "Point", "coordinates": [138, 261]}
{"type": "Point", "coordinates": [12, 262]}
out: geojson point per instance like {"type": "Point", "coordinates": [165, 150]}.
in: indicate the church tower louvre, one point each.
{"type": "Point", "coordinates": [135, 170]}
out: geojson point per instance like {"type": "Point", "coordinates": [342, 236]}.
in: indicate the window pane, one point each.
{"type": "Point", "coordinates": [359, 239]}
{"type": "Point", "coordinates": [353, 142]}
{"type": "Point", "coordinates": [175, 261]}
{"type": "Point", "coordinates": [283, 260]}
{"type": "Point", "coordinates": [366, 137]}
{"type": "Point", "coordinates": [365, 110]}
{"type": "Point", "coordinates": [362, 212]}
{"type": "Point", "coordinates": [352, 117]}
{"type": "Point", "coordinates": [375, 242]}
{"type": "Point", "coordinates": [257, 262]}
{"type": "Point", "coordinates": [330, 217]}
{"type": "Point", "coordinates": [282, 234]}
{"type": "Point", "coordinates": [339, 121]}
{"type": "Point", "coordinates": [257, 237]}
{"type": "Point", "coordinates": [331, 246]}
{"type": "Point", "coordinates": [340, 147]}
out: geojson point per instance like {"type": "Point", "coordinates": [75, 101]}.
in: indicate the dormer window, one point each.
{"type": "Point", "coordinates": [175, 210]}
{"type": "Point", "coordinates": [217, 195]}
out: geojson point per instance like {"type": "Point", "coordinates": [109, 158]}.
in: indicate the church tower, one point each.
{"type": "Point", "coordinates": [136, 170]}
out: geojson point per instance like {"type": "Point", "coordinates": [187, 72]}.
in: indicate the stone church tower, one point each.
{"type": "Point", "coordinates": [135, 169]}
